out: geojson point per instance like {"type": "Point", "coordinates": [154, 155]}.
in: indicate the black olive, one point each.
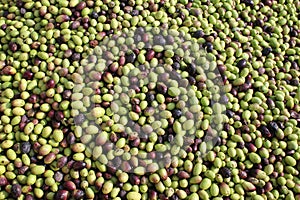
{"type": "Point", "coordinates": [16, 190]}
{"type": "Point", "coordinates": [273, 126]}
{"type": "Point", "coordinates": [248, 2]}
{"type": "Point", "coordinates": [230, 113]}
{"type": "Point", "coordinates": [79, 119]}
{"type": "Point", "coordinates": [266, 51]}
{"type": "Point", "coordinates": [259, 23]}
{"type": "Point", "coordinates": [130, 58]}
{"type": "Point", "coordinates": [294, 33]}
{"type": "Point", "coordinates": [198, 34]}
{"type": "Point", "coordinates": [159, 40]}
{"type": "Point", "coordinates": [176, 58]}
{"type": "Point", "coordinates": [191, 80]}
{"type": "Point", "coordinates": [225, 172]}
{"type": "Point", "coordinates": [94, 15]}
{"type": "Point", "coordinates": [209, 46]}
{"type": "Point", "coordinates": [265, 132]}
{"type": "Point", "coordinates": [242, 63]}
{"type": "Point", "coordinates": [174, 197]}
{"type": "Point", "coordinates": [268, 29]}
{"type": "Point", "coordinates": [150, 97]}
{"type": "Point", "coordinates": [176, 113]}
{"type": "Point", "coordinates": [75, 57]}
{"type": "Point", "coordinates": [224, 99]}
{"type": "Point", "coordinates": [191, 69]}
{"type": "Point", "coordinates": [294, 82]}
{"type": "Point", "coordinates": [25, 147]}
{"type": "Point", "coordinates": [176, 65]}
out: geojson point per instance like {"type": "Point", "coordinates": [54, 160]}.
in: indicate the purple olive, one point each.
{"type": "Point", "coordinates": [16, 190]}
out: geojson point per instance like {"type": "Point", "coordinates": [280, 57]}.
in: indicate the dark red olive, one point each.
{"type": "Point", "coordinates": [13, 46]}
{"type": "Point", "coordinates": [75, 25]}
{"type": "Point", "coordinates": [62, 195]}
{"type": "Point", "coordinates": [135, 180]}
{"type": "Point", "coordinates": [61, 162]}
{"type": "Point", "coordinates": [22, 170]}
{"type": "Point", "coordinates": [28, 75]}
{"type": "Point", "coordinates": [69, 185]}
{"type": "Point", "coordinates": [79, 165]}
{"type": "Point", "coordinates": [59, 115]}
{"type": "Point", "coordinates": [183, 175]}
{"type": "Point", "coordinates": [150, 54]}
{"type": "Point", "coordinates": [55, 124]}
{"type": "Point", "coordinates": [50, 84]}
{"type": "Point", "coordinates": [78, 194]}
